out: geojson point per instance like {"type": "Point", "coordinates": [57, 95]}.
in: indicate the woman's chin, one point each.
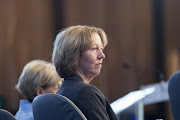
{"type": "Point", "coordinates": [96, 73]}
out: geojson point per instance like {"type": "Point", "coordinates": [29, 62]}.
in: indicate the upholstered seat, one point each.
{"type": "Point", "coordinates": [55, 107]}
{"type": "Point", "coordinates": [174, 96]}
{"type": "Point", "coordinates": [6, 115]}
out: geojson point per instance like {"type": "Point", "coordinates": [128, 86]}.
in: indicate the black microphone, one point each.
{"type": "Point", "coordinates": [130, 67]}
{"type": "Point", "coordinates": [158, 73]}
{"type": "Point", "coordinates": [127, 66]}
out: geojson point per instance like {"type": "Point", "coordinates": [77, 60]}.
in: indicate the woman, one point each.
{"type": "Point", "coordinates": [38, 77]}
{"type": "Point", "coordinates": [78, 56]}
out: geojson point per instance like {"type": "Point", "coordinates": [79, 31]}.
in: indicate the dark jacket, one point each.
{"type": "Point", "coordinates": [88, 99]}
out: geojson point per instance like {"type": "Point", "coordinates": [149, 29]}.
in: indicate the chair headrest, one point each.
{"type": "Point", "coordinates": [6, 115]}
{"type": "Point", "coordinates": [174, 96]}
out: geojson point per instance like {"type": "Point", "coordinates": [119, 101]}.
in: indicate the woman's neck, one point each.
{"type": "Point", "coordinates": [84, 77]}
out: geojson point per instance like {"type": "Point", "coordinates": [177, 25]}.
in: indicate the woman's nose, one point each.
{"type": "Point", "coordinates": [101, 55]}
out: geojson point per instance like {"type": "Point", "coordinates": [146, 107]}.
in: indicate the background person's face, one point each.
{"type": "Point", "coordinates": [53, 88]}
{"type": "Point", "coordinates": [91, 60]}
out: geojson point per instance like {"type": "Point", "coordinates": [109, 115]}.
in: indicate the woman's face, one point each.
{"type": "Point", "coordinates": [91, 60]}
{"type": "Point", "coordinates": [53, 88]}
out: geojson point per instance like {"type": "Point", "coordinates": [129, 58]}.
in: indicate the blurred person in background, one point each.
{"type": "Point", "coordinates": [78, 56]}
{"type": "Point", "coordinates": [38, 77]}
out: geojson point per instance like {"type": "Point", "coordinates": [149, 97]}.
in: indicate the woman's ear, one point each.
{"type": "Point", "coordinates": [40, 91]}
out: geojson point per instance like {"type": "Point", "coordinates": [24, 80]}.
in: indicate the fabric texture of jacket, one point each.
{"type": "Point", "coordinates": [87, 98]}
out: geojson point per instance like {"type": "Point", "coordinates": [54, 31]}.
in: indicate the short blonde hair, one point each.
{"type": "Point", "coordinates": [69, 44]}
{"type": "Point", "coordinates": [36, 74]}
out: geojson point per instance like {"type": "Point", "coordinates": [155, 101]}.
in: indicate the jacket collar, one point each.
{"type": "Point", "coordinates": [74, 77]}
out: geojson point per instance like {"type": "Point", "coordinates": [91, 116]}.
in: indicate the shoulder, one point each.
{"type": "Point", "coordinates": [90, 89]}
{"type": "Point", "coordinates": [23, 114]}
{"type": "Point", "coordinates": [93, 103]}
{"type": "Point", "coordinates": [90, 92]}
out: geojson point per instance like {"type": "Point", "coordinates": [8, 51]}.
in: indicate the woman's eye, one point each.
{"type": "Point", "coordinates": [94, 48]}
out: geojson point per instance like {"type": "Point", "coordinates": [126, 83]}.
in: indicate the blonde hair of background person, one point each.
{"type": "Point", "coordinates": [78, 56]}
{"type": "Point", "coordinates": [36, 78]}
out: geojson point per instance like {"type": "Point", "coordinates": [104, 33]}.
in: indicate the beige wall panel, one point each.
{"type": "Point", "coordinates": [172, 41]}
{"type": "Point", "coordinates": [129, 28]}
{"type": "Point", "coordinates": [25, 34]}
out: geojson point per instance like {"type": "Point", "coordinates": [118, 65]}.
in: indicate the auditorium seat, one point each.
{"type": "Point", "coordinates": [55, 107]}
{"type": "Point", "coordinates": [6, 115]}
{"type": "Point", "coordinates": [174, 96]}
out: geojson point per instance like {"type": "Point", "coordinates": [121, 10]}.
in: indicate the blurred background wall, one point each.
{"type": "Point", "coordinates": [143, 40]}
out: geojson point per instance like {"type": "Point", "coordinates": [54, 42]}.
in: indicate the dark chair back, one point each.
{"type": "Point", "coordinates": [55, 107]}
{"type": "Point", "coordinates": [174, 94]}
{"type": "Point", "coordinates": [6, 115]}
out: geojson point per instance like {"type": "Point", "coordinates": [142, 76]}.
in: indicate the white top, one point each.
{"type": "Point", "coordinates": [25, 111]}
